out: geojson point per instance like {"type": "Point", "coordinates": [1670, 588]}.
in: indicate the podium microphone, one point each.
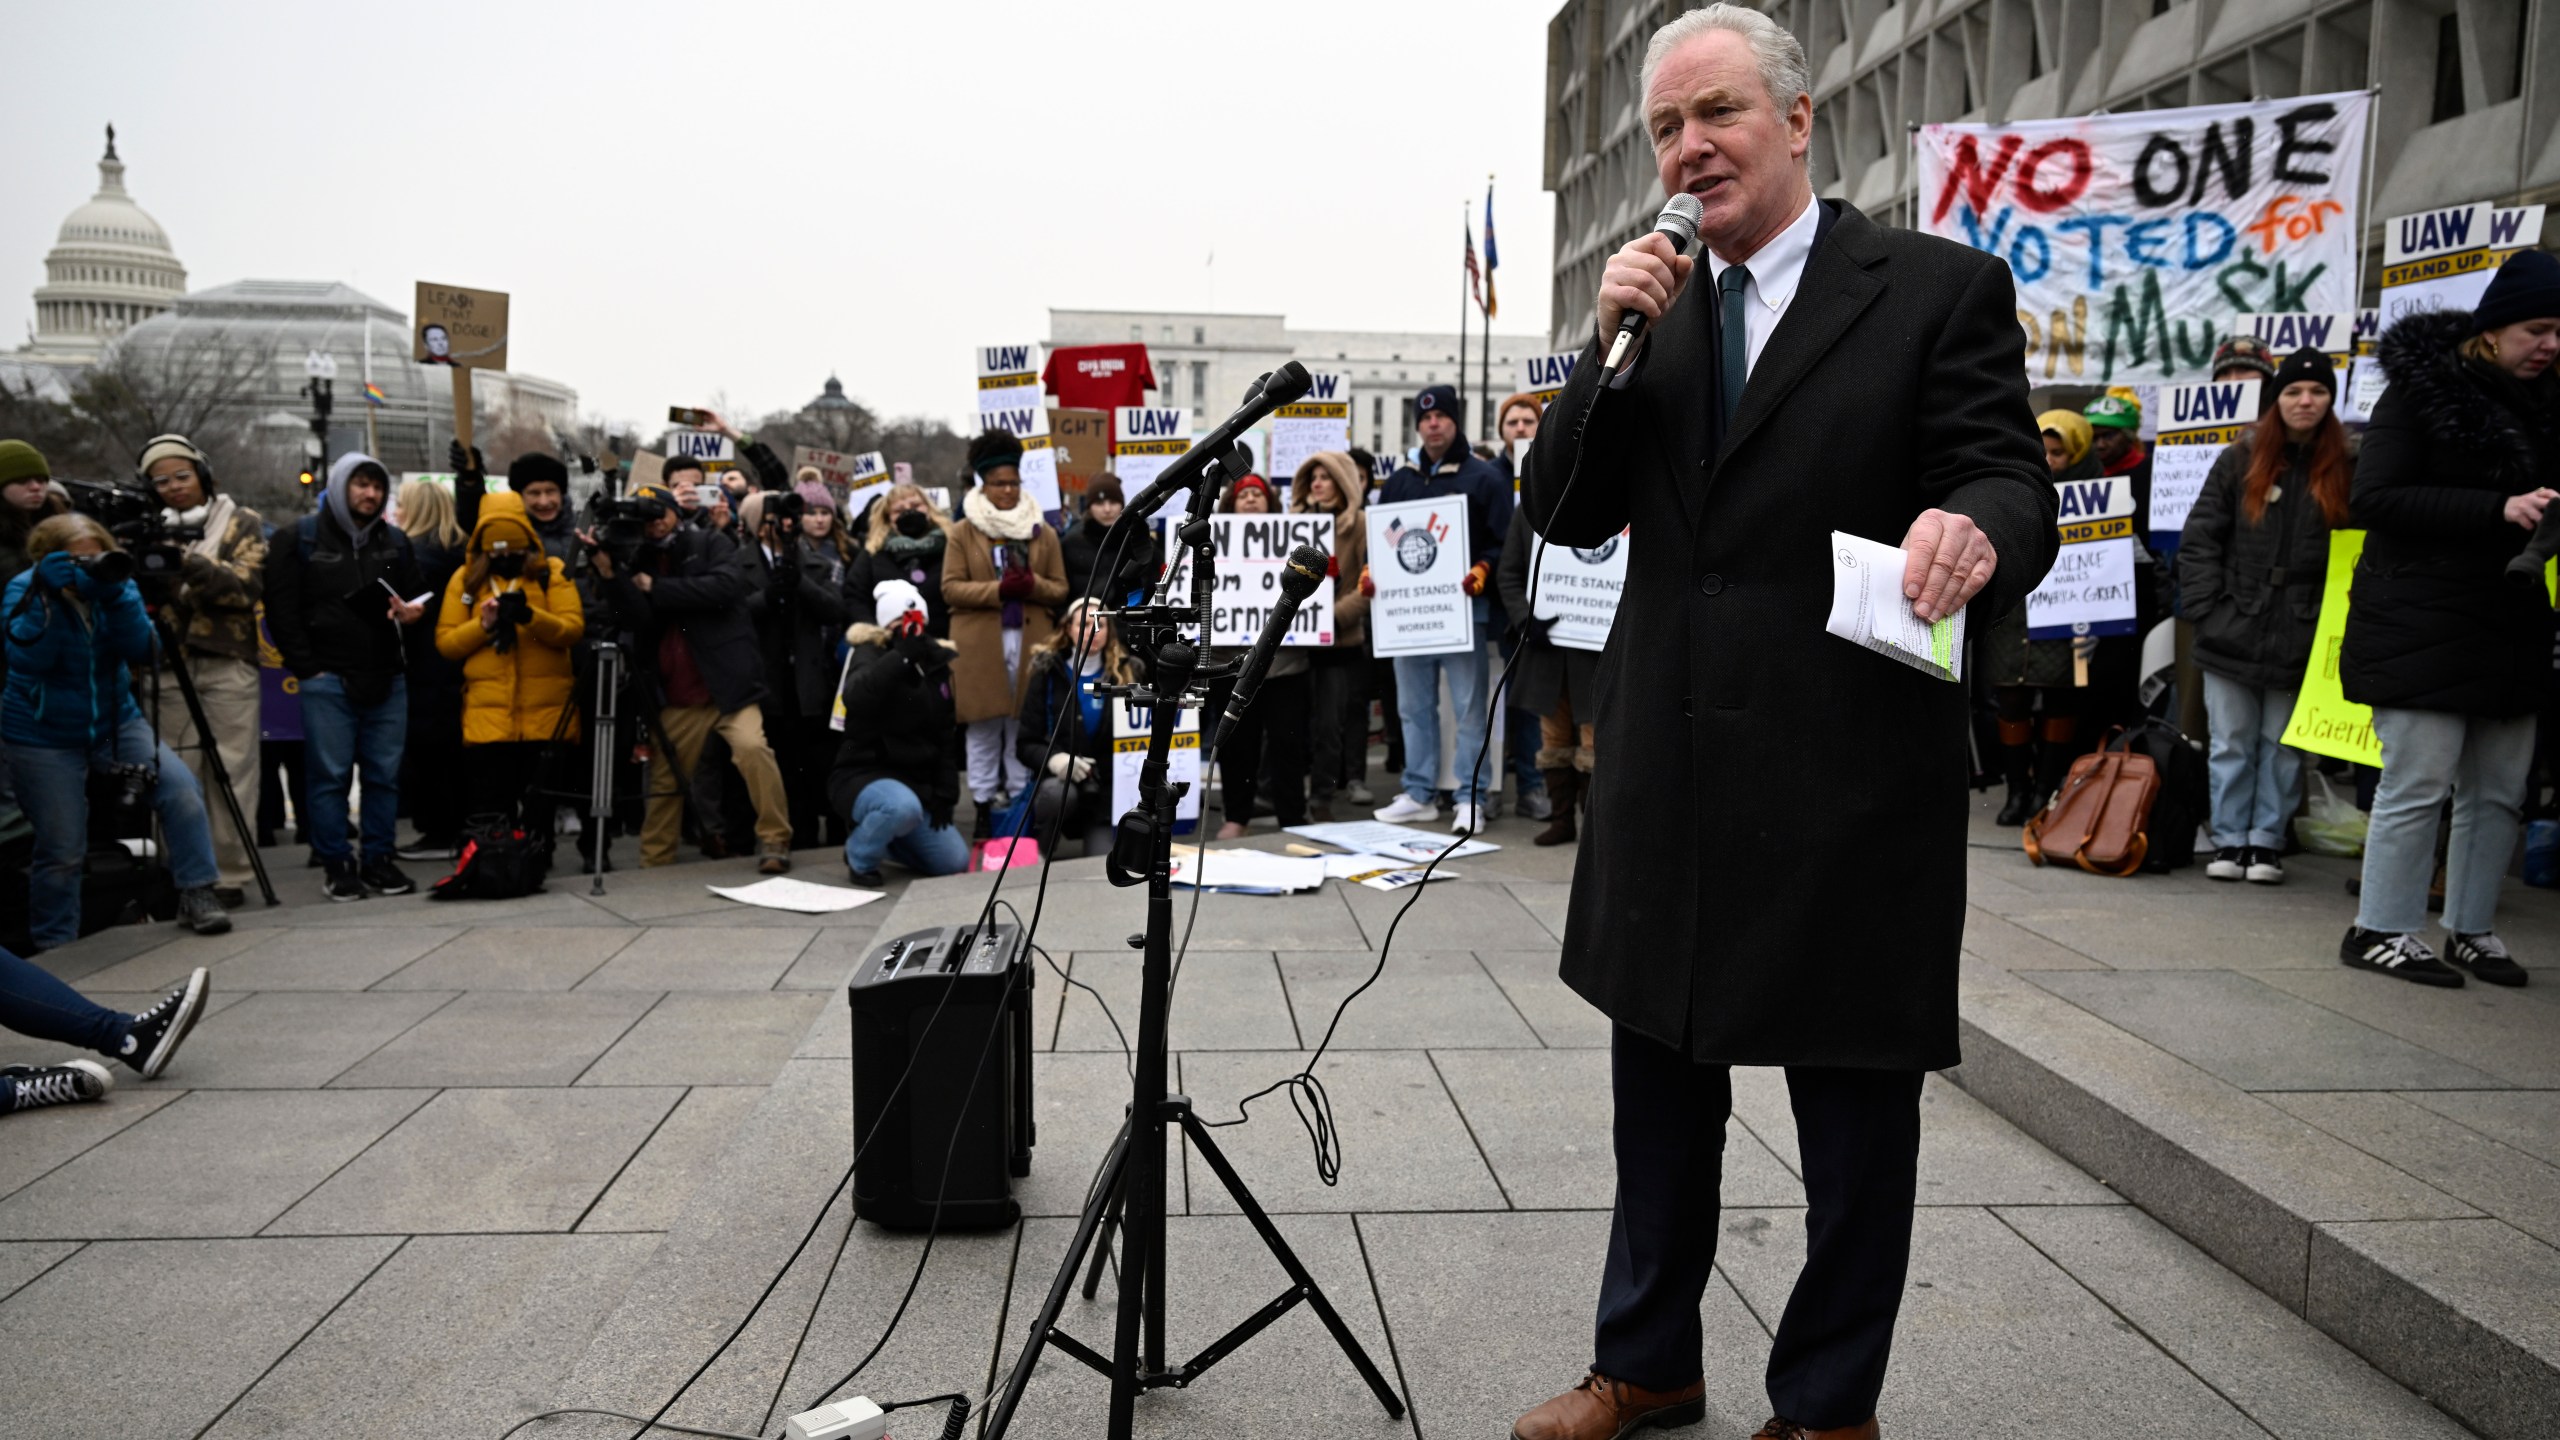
{"type": "Point", "coordinates": [1298, 580]}
{"type": "Point", "coordinates": [1678, 223]}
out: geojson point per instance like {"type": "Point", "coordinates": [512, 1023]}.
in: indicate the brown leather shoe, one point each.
{"type": "Point", "coordinates": [1780, 1428]}
{"type": "Point", "coordinates": [1604, 1409]}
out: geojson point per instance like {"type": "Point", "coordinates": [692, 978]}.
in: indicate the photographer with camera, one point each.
{"type": "Point", "coordinates": [75, 628]}
{"type": "Point", "coordinates": [510, 617]}
{"type": "Point", "coordinates": [893, 780]}
{"type": "Point", "coordinates": [799, 607]}
{"type": "Point", "coordinates": [215, 617]}
{"type": "Point", "coordinates": [682, 591]}
{"type": "Point", "coordinates": [339, 588]}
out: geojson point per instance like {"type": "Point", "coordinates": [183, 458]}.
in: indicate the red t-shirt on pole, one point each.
{"type": "Point", "coordinates": [1099, 377]}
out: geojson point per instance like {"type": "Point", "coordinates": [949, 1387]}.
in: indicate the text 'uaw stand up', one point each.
{"type": "Point", "coordinates": [1129, 1193]}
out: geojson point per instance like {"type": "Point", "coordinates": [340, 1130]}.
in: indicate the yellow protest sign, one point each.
{"type": "Point", "coordinates": [2325, 721]}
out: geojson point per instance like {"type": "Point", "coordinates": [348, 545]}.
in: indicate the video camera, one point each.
{"type": "Point", "coordinates": [156, 547]}
{"type": "Point", "coordinates": [621, 525]}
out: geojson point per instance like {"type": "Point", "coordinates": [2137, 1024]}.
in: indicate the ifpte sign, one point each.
{"type": "Point", "coordinates": [460, 327]}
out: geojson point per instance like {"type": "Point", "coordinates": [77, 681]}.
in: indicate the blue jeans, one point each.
{"type": "Point", "coordinates": [53, 791]}
{"type": "Point", "coordinates": [1418, 697]}
{"type": "Point", "coordinates": [888, 820]}
{"type": "Point", "coordinates": [2257, 780]}
{"type": "Point", "coordinates": [33, 1002]}
{"type": "Point", "coordinates": [2424, 754]}
{"type": "Point", "coordinates": [339, 735]}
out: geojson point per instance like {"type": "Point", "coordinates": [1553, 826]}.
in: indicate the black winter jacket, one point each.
{"type": "Point", "coordinates": [2253, 591]}
{"type": "Point", "coordinates": [2433, 622]}
{"type": "Point", "coordinates": [1549, 672]}
{"type": "Point", "coordinates": [330, 615]}
{"type": "Point", "coordinates": [699, 584]}
{"type": "Point", "coordinates": [797, 619]}
{"type": "Point", "coordinates": [899, 725]}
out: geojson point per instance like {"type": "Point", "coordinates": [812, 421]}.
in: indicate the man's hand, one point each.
{"type": "Point", "coordinates": [644, 580]}
{"type": "Point", "coordinates": [1646, 276]}
{"type": "Point", "coordinates": [2526, 509]}
{"type": "Point", "coordinates": [1477, 575]}
{"type": "Point", "coordinates": [711, 421]}
{"type": "Point", "coordinates": [405, 612]}
{"type": "Point", "coordinates": [462, 461]}
{"type": "Point", "coordinates": [1951, 560]}
{"type": "Point", "coordinates": [596, 555]}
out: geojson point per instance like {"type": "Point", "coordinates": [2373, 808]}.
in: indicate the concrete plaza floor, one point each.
{"type": "Point", "coordinates": [428, 1168]}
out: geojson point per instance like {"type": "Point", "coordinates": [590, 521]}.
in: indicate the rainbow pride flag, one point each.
{"type": "Point", "coordinates": [374, 394]}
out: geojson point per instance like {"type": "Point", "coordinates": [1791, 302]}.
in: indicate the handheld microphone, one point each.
{"type": "Point", "coordinates": [1298, 580]}
{"type": "Point", "coordinates": [1280, 387]}
{"type": "Point", "coordinates": [1678, 222]}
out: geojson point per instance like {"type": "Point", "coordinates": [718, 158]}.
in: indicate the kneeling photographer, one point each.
{"type": "Point", "coordinates": [214, 615]}
{"type": "Point", "coordinates": [510, 617]}
{"type": "Point", "coordinates": [893, 781]}
{"type": "Point", "coordinates": [75, 626]}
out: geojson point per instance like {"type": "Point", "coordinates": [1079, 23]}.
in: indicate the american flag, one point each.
{"type": "Point", "coordinates": [1475, 277]}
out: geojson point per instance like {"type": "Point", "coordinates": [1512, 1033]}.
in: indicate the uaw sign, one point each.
{"type": "Point", "coordinates": [2442, 259]}
{"type": "Point", "coordinates": [1318, 421]}
{"type": "Point", "coordinates": [1545, 375]}
{"type": "Point", "coordinates": [1009, 389]}
{"type": "Point", "coordinates": [2134, 238]}
{"type": "Point", "coordinates": [2197, 423]}
{"type": "Point", "coordinates": [2090, 589]}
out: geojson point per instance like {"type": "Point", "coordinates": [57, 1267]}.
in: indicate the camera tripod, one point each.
{"type": "Point", "coordinates": [1129, 1193]}
{"type": "Point", "coordinates": [211, 747]}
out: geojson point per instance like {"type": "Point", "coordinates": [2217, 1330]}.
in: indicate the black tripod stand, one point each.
{"type": "Point", "coordinates": [212, 748]}
{"type": "Point", "coordinates": [1130, 1190]}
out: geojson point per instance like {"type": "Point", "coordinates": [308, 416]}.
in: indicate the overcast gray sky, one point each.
{"type": "Point", "coordinates": [686, 200]}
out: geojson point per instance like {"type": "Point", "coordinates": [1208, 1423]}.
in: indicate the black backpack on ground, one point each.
{"type": "Point", "coordinates": [2185, 798]}
{"type": "Point", "coordinates": [500, 861]}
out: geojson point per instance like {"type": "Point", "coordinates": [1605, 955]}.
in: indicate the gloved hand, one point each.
{"type": "Point", "coordinates": [1477, 575]}
{"type": "Point", "coordinates": [1060, 762]}
{"type": "Point", "coordinates": [464, 462]}
{"type": "Point", "coordinates": [95, 585]}
{"type": "Point", "coordinates": [58, 570]}
{"type": "Point", "coordinates": [922, 651]}
{"type": "Point", "coordinates": [1083, 768]}
{"type": "Point", "coordinates": [1016, 584]}
{"type": "Point", "coordinates": [1368, 587]}
{"type": "Point", "coordinates": [1531, 627]}
{"type": "Point", "coordinates": [909, 622]}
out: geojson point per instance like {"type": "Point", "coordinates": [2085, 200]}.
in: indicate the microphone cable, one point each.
{"type": "Point", "coordinates": [1307, 1096]}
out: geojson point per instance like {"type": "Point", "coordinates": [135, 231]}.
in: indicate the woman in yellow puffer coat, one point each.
{"type": "Point", "coordinates": [510, 616]}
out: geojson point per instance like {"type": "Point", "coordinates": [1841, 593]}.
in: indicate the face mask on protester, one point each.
{"type": "Point", "coordinates": [914, 524]}
{"type": "Point", "coordinates": [507, 566]}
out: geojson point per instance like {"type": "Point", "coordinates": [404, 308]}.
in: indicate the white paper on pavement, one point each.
{"type": "Point", "coordinates": [801, 897]}
{"type": "Point", "coordinates": [1868, 609]}
{"type": "Point", "coordinates": [1247, 871]}
{"type": "Point", "coordinates": [1395, 842]}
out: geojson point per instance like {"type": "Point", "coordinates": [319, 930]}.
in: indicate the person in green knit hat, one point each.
{"type": "Point", "coordinates": [26, 496]}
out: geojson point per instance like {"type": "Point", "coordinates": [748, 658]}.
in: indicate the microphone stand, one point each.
{"type": "Point", "coordinates": [1129, 1193]}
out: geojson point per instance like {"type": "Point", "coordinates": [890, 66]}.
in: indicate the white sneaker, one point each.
{"type": "Point", "coordinates": [1469, 818]}
{"type": "Point", "coordinates": [1404, 809]}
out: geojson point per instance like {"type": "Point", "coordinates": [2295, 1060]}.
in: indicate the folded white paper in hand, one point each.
{"type": "Point", "coordinates": [1867, 608]}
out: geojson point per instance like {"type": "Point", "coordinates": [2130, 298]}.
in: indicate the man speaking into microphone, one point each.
{"type": "Point", "coordinates": [1810, 372]}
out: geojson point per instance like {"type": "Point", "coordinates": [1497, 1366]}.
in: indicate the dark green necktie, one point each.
{"type": "Point", "coordinates": [1734, 338]}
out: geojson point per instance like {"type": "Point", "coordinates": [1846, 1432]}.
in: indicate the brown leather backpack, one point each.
{"type": "Point", "coordinates": [2099, 818]}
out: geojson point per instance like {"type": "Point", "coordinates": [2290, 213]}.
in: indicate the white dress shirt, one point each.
{"type": "Point", "coordinates": [1777, 268]}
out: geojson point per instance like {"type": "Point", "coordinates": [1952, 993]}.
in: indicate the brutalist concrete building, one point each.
{"type": "Point", "coordinates": [2469, 103]}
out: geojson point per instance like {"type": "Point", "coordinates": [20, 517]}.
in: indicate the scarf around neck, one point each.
{"type": "Point", "coordinates": [1015, 524]}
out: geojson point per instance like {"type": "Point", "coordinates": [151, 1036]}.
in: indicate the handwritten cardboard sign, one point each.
{"type": "Point", "coordinates": [456, 326]}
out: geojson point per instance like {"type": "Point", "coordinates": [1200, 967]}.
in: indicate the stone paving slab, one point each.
{"type": "Point", "coordinates": [213, 1163]}
{"type": "Point", "coordinates": [1561, 1017]}
{"type": "Point", "coordinates": [456, 1335]}
{"type": "Point", "coordinates": [2288, 1377]}
{"type": "Point", "coordinates": [1077, 1100]}
{"type": "Point", "coordinates": [1290, 1381]}
{"type": "Point", "coordinates": [2460, 1310]}
{"type": "Point", "coordinates": [23, 1260]}
{"type": "Point", "coordinates": [486, 1160]}
{"type": "Point", "coordinates": [682, 1156]}
{"type": "Point", "coordinates": [1462, 914]}
{"type": "Point", "coordinates": [2516, 1187]}
{"type": "Point", "coordinates": [40, 1141]}
{"type": "Point", "coordinates": [830, 960]}
{"type": "Point", "coordinates": [1225, 1000]}
{"type": "Point", "coordinates": [675, 959]}
{"type": "Point", "coordinates": [2529, 1121]}
{"type": "Point", "coordinates": [2509, 1035]}
{"type": "Point", "coordinates": [1404, 1146]}
{"type": "Point", "coordinates": [709, 1039]}
{"type": "Point", "coordinates": [2260, 1038]}
{"type": "Point", "coordinates": [1546, 900]}
{"type": "Point", "coordinates": [512, 957]}
{"type": "Point", "coordinates": [1994, 1337]}
{"type": "Point", "coordinates": [946, 1342]}
{"type": "Point", "coordinates": [349, 958]}
{"type": "Point", "coordinates": [196, 1323]}
{"type": "Point", "coordinates": [1421, 999]}
{"type": "Point", "coordinates": [502, 1038]}
{"type": "Point", "coordinates": [1492, 1315]}
{"type": "Point", "coordinates": [2012, 946]}
{"type": "Point", "coordinates": [296, 1040]}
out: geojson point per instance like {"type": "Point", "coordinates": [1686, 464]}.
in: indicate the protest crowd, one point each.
{"type": "Point", "coordinates": [788, 676]}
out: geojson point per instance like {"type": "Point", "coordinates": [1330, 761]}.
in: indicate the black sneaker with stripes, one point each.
{"type": "Point", "coordinates": [2486, 957]}
{"type": "Point", "coordinates": [2403, 957]}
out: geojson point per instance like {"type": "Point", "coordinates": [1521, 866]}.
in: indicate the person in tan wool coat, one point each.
{"type": "Point", "coordinates": [1004, 577]}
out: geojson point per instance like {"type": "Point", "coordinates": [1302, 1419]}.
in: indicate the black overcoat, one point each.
{"type": "Point", "coordinates": [1774, 871]}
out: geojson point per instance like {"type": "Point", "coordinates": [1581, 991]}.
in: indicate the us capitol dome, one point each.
{"type": "Point", "coordinates": [110, 269]}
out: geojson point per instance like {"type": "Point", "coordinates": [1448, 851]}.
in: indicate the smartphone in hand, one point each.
{"type": "Point", "coordinates": [688, 415]}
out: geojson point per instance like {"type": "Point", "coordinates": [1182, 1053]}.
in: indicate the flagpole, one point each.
{"type": "Point", "coordinates": [1484, 383]}
{"type": "Point", "coordinates": [1464, 300]}
{"type": "Point", "coordinates": [371, 446]}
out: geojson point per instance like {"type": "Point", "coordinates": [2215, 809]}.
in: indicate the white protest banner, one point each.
{"type": "Point", "coordinates": [1418, 562]}
{"type": "Point", "coordinates": [1040, 467]}
{"type": "Point", "coordinates": [2196, 423]}
{"type": "Point", "coordinates": [1252, 551]}
{"type": "Point", "coordinates": [1008, 386]}
{"type": "Point", "coordinates": [2362, 385]}
{"type": "Point", "coordinates": [2442, 259]}
{"type": "Point", "coordinates": [1147, 438]}
{"type": "Point", "coordinates": [1579, 591]}
{"type": "Point", "coordinates": [866, 480]}
{"type": "Point", "coordinates": [2332, 335]}
{"type": "Point", "coordinates": [2089, 591]}
{"type": "Point", "coordinates": [1545, 375]}
{"type": "Point", "coordinates": [2134, 237]}
{"type": "Point", "coordinates": [1321, 420]}
{"type": "Point", "coordinates": [1129, 728]}
{"type": "Point", "coordinates": [710, 447]}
